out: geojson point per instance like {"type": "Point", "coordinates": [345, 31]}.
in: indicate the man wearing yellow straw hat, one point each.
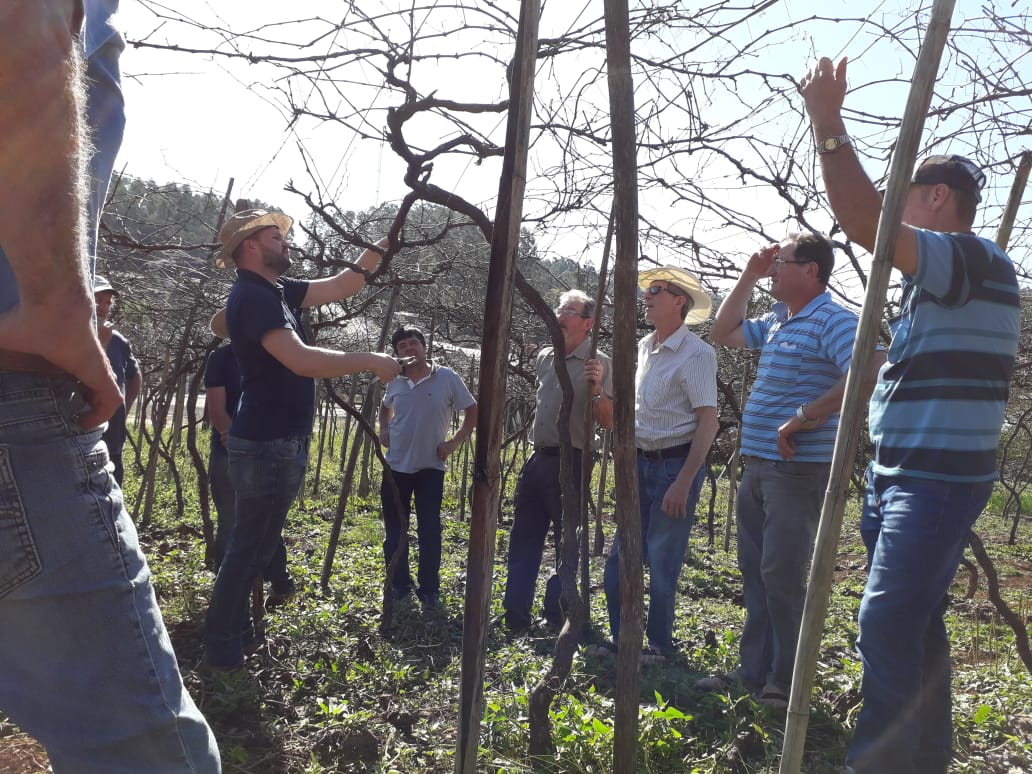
{"type": "Point", "coordinates": [675, 422]}
{"type": "Point", "coordinates": [268, 438]}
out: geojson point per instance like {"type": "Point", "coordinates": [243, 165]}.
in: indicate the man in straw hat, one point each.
{"type": "Point", "coordinates": [788, 435]}
{"type": "Point", "coordinates": [537, 506]}
{"type": "Point", "coordinates": [127, 371]}
{"type": "Point", "coordinates": [86, 665]}
{"type": "Point", "coordinates": [675, 422]}
{"type": "Point", "coordinates": [268, 438]}
{"type": "Point", "coordinates": [935, 421]}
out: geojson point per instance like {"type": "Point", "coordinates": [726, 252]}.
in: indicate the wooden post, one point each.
{"type": "Point", "coordinates": [491, 399]}
{"type": "Point", "coordinates": [853, 406]}
{"type": "Point", "coordinates": [1014, 200]}
{"type": "Point", "coordinates": [625, 353]}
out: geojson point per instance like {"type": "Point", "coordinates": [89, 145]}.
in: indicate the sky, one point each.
{"type": "Point", "coordinates": [202, 120]}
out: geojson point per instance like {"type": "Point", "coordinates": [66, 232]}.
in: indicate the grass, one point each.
{"type": "Point", "coordinates": [334, 693]}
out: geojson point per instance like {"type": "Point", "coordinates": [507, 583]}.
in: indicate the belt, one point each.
{"type": "Point", "coordinates": [23, 362]}
{"type": "Point", "coordinates": [551, 451]}
{"type": "Point", "coordinates": [681, 450]}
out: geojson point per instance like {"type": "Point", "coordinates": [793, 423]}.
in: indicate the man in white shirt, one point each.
{"type": "Point", "coordinates": [675, 415]}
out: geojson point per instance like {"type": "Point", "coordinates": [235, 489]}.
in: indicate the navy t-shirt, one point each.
{"type": "Point", "coordinates": [275, 402]}
{"type": "Point", "coordinates": [222, 371]}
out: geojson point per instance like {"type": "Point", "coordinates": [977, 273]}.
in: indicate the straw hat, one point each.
{"type": "Point", "coordinates": [218, 324]}
{"type": "Point", "coordinates": [242, 225]}
{"type": "Point", "coordinates": [687, 283]}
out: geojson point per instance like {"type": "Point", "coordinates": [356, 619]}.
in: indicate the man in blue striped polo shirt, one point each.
{"type": "Point", "coordinates": [935, 420]}
{"type": "Point", "coordinates": [788, 434]}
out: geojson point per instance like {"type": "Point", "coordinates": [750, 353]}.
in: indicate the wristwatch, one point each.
{"type": "Point", "coordinates": [832, 144]}
{"type": "Point", "coordinates": [801, 416]}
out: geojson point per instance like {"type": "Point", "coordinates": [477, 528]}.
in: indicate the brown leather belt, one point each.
{"type": "Point", "coordinates": [23, 362]}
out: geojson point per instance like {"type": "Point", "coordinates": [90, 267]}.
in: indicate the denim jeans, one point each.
{"type": "Point", "coordinates": [224, 498]}
{"type": "Point", "coordinates": [915, 531]}
{"type": "Point", "coordinates": [427, 487]}
{"type": "Point", "coordinates": [778, 508]}
{"type": "Point", "coordinates": [266, 476]}
{"type": "Point", "coordinates": [537, 509]}
{"type": "Point", "coordinates": [114, 437]}
{"type": "Point", "coordinates": [86, 665]}
{"type": "Point", "coordinates": [665, 544]}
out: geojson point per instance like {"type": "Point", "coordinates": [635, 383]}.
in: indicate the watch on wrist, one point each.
{"type": "Point", "coordinates": [832, 144]}
{"type": "Point", "coordinates": [801, 416]}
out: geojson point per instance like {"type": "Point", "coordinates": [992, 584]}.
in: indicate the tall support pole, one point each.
{"type": "Point", "coordinates": [625, 350]}
{"type": "Point", "coordinates": [491, 396]}
{"type": "Point", "coordinates": [1010, 212]}
{"type": "Point", "coordinates": [854, 403]}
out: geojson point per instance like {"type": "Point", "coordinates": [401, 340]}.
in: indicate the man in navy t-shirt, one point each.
{"type": "Point", "coordinates": [268, 437]}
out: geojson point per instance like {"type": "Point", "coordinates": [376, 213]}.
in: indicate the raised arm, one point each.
{"type": "Point", "coordinates": [854, 199]}
{"type": "Point", "coordinates": [346, 283]}
{"type": "Point", "coordinates": [318, 363]}
{"type": "Point", "coordinates": [727, 325]}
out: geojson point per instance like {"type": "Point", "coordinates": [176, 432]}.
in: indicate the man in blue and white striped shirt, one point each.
{"type": "Point", "coordinates": [788, 435]}
{"type": "Point", "coordinates": [936, 417]}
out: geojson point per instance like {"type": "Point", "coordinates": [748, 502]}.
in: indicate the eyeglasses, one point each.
{"type": "Point", "coordinates": [655, 290]}
{"type": "Point", "coordinates": [782, 261]}
{"type": "Point", "coordinates": [566, 311]}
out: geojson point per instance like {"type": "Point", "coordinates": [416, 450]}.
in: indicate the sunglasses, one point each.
{"type": "Point", "coordinates": [655, 290]}
{"type": "Point", "coordinates": [782, 261]}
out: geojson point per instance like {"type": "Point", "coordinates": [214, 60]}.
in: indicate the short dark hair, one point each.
{"type": "Point", "coordinates": [817, 248]}
{"type": "Point", "coordinates": [406, 333]}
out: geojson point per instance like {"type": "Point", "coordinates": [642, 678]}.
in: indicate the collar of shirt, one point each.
{"type": "Point", "coordinates": [780, 308]}
{"type": "Point", "coordinates": [246, 275]}
{"type": "Point", "coordinates": [433, 370]}
{"type": "Point", "coordinates": [673, 341]}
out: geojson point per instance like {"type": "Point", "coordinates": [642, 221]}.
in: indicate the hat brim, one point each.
{"type": "Point", "coordinates": [686, 282]}
{"type": "Point", "coordinates": [224, 257]}
{"type": "Point", "coordinates": [218, 324]}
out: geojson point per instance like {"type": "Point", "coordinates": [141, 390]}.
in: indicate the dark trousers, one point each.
{"type": "Point", "coordinates": [224, 498]}
{"type": "Point", "coordinates": [427, 488]}
{"type": "Point", "coordinates": [537, 508]}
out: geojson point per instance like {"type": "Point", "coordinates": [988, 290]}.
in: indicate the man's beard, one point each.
{"type": "Point", "coordinates": [276, 261]}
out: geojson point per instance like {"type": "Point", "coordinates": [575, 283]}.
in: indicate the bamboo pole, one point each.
{"type": "Point", "coordinates": [625, 351]}
{"type": "Point", "coordinates": [1014, 200]}
{"type": "Point", "coordinates": [853, 406]}
{"type": "Point", "coordinates": [732, 466]}
{"type": "Point", "coordinates": [490, 398]}
{"type": "Point", "coordinates": [588, 455]}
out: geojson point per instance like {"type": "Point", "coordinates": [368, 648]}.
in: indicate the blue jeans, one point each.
{"type": "Point", "coordinates": [427, 487]}
{"type": "Point", "coordinates": [915, 531]}
{"type": "Point", "coordinates": [86, 665]}
{"type": "Point", "coordinates": [224, 498]}
{"type": "Point", "coordinates": [778, 509]}
{"type": "Point", "coordinates": [266, 476]}
{"type": "Point", "coordinates": [537, 509]}
{"type": "Point", "coordinates": [664, 543]}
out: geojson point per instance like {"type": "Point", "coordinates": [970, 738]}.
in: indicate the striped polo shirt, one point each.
{"type": "Point", "coordinates": [937, 409]}
{"type": "Point", "coordinates": [801, 358]}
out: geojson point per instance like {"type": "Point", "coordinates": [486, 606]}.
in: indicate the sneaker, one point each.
{"type": "Point", "coordinates": [653, 655]}
{"type": "Point", "coordinates": [773, 696]}
{"type": "Point", "coordinates": [601, 650]}
{"type": "Point", "coordinates": [431, 600]}
{"type": "Point", "coordinates": [720, 683]}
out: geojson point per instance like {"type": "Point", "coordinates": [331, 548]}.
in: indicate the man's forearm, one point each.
{"type": "Point", "coordinates": [42, 162]}
{"type": "Point", "coordinates": [733, 309]}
